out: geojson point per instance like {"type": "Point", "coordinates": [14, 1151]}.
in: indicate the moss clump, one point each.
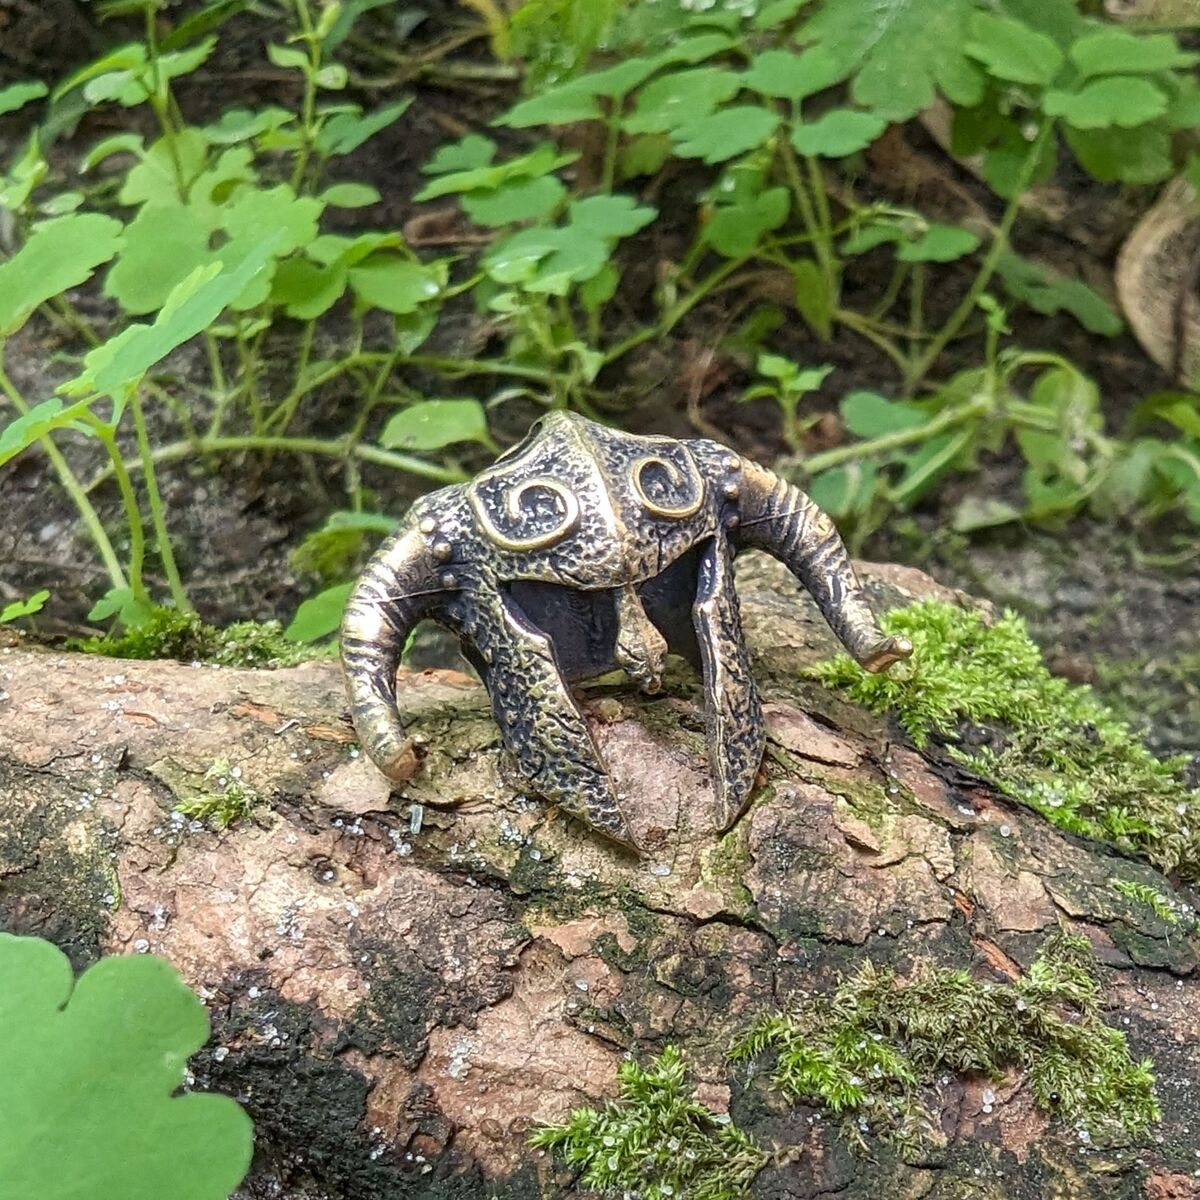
{"type": "Point", "coordinates": [870, 1048]}
{"type": "Point", "coordinates": [169, 633]}
{"type": "Point", "coordinates": [1162, 906]}
{"type": "Point", "coordinates": [656, 1141]}
{"type": "Point", "coordinates": [223, 799]}
{"type": "Point", "coordinates": [1053, 745]}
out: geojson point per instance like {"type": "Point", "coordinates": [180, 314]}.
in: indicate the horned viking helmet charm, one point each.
{"type": "Point", "coordinates": [581, 550]}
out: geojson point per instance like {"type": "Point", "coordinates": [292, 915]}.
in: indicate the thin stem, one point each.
{"type": "Point", "coordinates": [987, 269]}
{"type": "Point", "coordinates": [864, 328]}
{"type": "Point", "coordinates": [133, 514]}
{"type": "Point", "coordinates": [612, 144]}
{"type": "Point", "coordinates": [309, 106]}
{"type": "Point", "coordinates": [71, 485]}
{"type": "Point", "coordinates": [157, 514]}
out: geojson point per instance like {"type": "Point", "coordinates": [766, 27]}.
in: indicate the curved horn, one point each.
{"type": "Point", "coordinates": [776, 516]}
{"type": "Point", "coordinates": [397, 589]}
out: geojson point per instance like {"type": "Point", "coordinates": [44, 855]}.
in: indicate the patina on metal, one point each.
{"type": "Point", "coordinates": [581, 550]}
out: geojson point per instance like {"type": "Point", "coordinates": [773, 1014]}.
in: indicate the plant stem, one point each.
{"type": "Point", "coordinates": [921, 365]}
{"type": "Point", "coordinates": [611, 146]}
{"type": "Point", "coordinates": [309, 104]}
{"type": "Point", "coordinates": [71, 485]}
{"type": "Point", "coordinates": [133, 514]}
{"type": "Point", "coordinates": [864, 328]}
{"type": "Point", "coordinates": [157, 515]}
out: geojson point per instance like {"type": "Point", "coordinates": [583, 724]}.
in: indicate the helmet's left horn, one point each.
{"type": "Point", "coordinates": [397, 589]}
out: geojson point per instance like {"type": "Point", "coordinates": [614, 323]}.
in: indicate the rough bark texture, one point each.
{"type": "Point", "coordinates": [397, 1008]}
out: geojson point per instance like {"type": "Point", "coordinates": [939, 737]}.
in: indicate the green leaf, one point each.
{"type": "Point", "coordinates": [1106, 102]}
{"type": "Point", "coordinates": [190, 308]}
{"type": "Point", "coordinates": [517, 200]}
{"type": "Point", "coordinates": [92, 1066]}
{"type": "Point", "coordinates": [725, 134]}
{"type": "Point", "coordinates": [899, 52]}
{"type": "Point", "coordinates": [154, 178]}
{"type": "Point", "coordinates": [123, 58]}
{"type": "Point", "coordinates": [24, 608]}
{"type": "Point", "coordinates": [17, 95]}
{"type": "Point", "coordinates": [320, 615]}
{"type": "Point", "coordinates": [681, 97]}
{"type": "Point", "coordinates": [927, 465]}
{"type": "Point", "coordinates": [1012, 51]}
{"type": "Point", "coordinates": [333, 77]}
{"type": "Point", "coordinates": [562, 105]}
{"type": "Point", "coordinates": [467, 154]}
{"type": "Point", "coordinates": [211, 16]}
{"type": "Point", "coordinates": [395, 284]}
{"type": "Point", "coordinates": [162, 247]}
{"type": "Point", "coordinates": [242, 125]}
{"type": "Point", "coordinates": [119, 143]}
{"type": "Point", "coordinates": [349, 195]}
{"type": "Point", "coordinates": [1142, 155]}
{"type": "Point", "coordinates": [868, 415]}
{"type": "Point", "coordinates": [813, 301]}
{"type": "Point", "coordinates": [60, 254]}
{"type": "Point", "coordinates": [435, 424]}
{"type": "Point", "coordinates": [844, 491]}
{"type": "Point", "coordinates": [776, 12]}
{"type": "Point", "coordinates": [258, 212]}
{"type": "Point", "coordinates": [735, 229]}
{"type": "Point", "coordinates": [290, 58]}
{"type": "Point", "coordinates": [120, 603]}
{"type": "Point", "coordinates": [837, 133]}
{"type": "Point", "coordinates": [982, 512]}
{"type": "Point", "coordinates": [939, 243]}
{"type": "Point", "coordinates": [793, 76]}
{"type": "Point", "coordinates": [1115, 51]}
{"type": "Point", "coordinates": [306, 290]}
{"type": "Point", "coordinates": [540, 161]}
{"type": "Point", "coordinates": [644, 155]}
{"type": "Point", "coordinates": [1050, 294]}
{"type": "Point", "coordinates": [413, 329]}
{"type": "Point", "coordinates": [30, 427]}
{"type": "Point", "coordinates": [596, 292]}
{"type": "Point", "coordinates": [611, 217]}
{"type": "Point", "coordinates": [345, 132]}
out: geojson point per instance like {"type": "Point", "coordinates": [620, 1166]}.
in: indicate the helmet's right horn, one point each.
{"type": "Point", "coordinates": [776, 516]}
{"type": "Point", "coordinates": [397, 589]}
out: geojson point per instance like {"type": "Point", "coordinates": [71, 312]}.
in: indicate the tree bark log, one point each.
{"type": "Point", "coordinates": [402, 983]}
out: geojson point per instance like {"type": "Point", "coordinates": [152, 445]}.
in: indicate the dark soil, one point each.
{"type": "Point", "coordinates": [1089, 593]}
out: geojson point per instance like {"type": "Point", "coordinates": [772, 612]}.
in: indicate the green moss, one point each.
{"type": "Point", "coordinates": [871, 1047]}
{"type": "Point", "coordinates": [222, 799]}
{"type": "Point", "coordinates": [1051, 745]}
{"type": "Point", "coordinates": [169, 633]}
{"type": "Point", "coordinates": [656, 1141]}
{"type": "Point", "coordinates": [1143, 893]}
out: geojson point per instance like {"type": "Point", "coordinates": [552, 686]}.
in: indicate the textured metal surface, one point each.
{"type": "Point", "coordinates": [581, 550]}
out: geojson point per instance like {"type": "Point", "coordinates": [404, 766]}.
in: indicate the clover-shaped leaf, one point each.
{"type": "Point", "coordinates": [517, 200]}
{"type": "Point", "coordinates": [838, 133]}
{"type": "Point", "coordinates": [735, 229]}
{"type": "Point", "coordinates": [794, 76]}
{"type": "Point", "coordinates": [1119, 52]}
{"type": "Point", "coordinates": [395, 284]}
{"type": "Point", "coordinates": [681, 97]}
{"type": "Point", "coordinates": [466, 154]}
{"type": "Point", "coordinates": [164, 244]}
{"type": "Point", "coordinates": [1012, 51]}
{"type": "Point", "coordinates": [88, 1072]}
{"type": "Point", "coordinates": [1107, 102]}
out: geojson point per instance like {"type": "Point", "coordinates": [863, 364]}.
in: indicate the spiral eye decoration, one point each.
{"type": "Point", "coordinates": [538, 512]}
{"type": "Point", "coordinates": [665, 488]}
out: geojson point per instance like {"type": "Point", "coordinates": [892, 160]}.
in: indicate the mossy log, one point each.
{"type": "Point", "coordinates": [404, 983]}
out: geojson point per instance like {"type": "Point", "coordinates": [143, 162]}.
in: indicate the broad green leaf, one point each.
{"type": "Point", "coordinates": [163, 245]}
{"type": "Point", "coordinates": [60, 254]}
{"type": "Point", "coordinates": [540, 161]}
{"type": "Point", "coordinates": [119, 143]}
{"type": "Point", "coordinates": [92, 1071]}
{"type": "Point", "coordinates": [899, 52]}
{"type": "Point", "coordinates": [330, 552]}
{"type": "Point", "coordinates": [611, 217]}
{"type": "Point", "coordinates": [1142, 155]}
{"type": "Point", "coordinates": [845, 491]}
{"type": "Point", "coordinates": [61, 204]}
{"type": "Point", "coordinates": [290, 58]}
{"type": "Point", "coordinates": [216, 188]}
{"type": "Point", "coordinates": [683, 96]}
{"type": "Point", "coordinates": [395, 284]}
{"type": "Point", "coordinates": [1106, 102]}
{"type": "Point", "coordinates": [621, 78]}
{"type": "Point", "coordinates": [869, 415]}
{"type": "Point", "coordinates": [412, 330]}
{"type": "Point", "coordinates": [191, 307]}
{"type": "Point", "coordinates": [209, 17]}
{"type": "Point", "coordinates": [242, 125]}
{"type": "Point", "coordinates": [644, 155]}
{"type": "Point", "coordinates": [435, 424]}
{"type": "Point", "coordinates": [514, 201]}
{"type": "Point", "coordinates": [776, 12]}
{"type": "Point", "coordinates": [333, 77]}
{"type": "Point", "coordinates": [838, 133]}
{"type": "Point", "coordinates": [320, 615]}
{"type": "Point", "coordinates": [725, 134]}
{"type": "Point", "coordinates": [867, 237]}
{"type": "Point", "coordinates": [1012, 51]}
{"type": "Point", "coordinates": [562, 105]}
{"type": "Point", "coordinates": [467, 154]}
{"type": "Point", "coordinates": [735, 229]}
{"type": "Point", "coordinates": [306, 290]}
{"type": "Point", "coordinates": [982, 512]}
{"type": "Point", "coordinates": [332, 247]}
{"type": "Point", "coordinates": [793, 76]}
{"type": "Point", "coordinates": [349, 195]}
{"type": "Point", "coordinates": [24, 608]}
{"type": "Point", "coordinates": [695, 48]}
{"type": "Point", "coordinates": [596, 292]}
{"type": "Point", "coordinates": [123, 58]}
{"type": "Point", "coordinates": [938, 243]}
{"type": "Point", "coordinates": [924, 467]}
{"type": "Point", "coordinates": [345, 132]}
{"type": "Point", "coordinates": [259, 212]}
{"type": "Point", "coordinates": [155, 179]}
{"type": "Point", "coordinates": [1116, 51]}
{"type": "Point", "coordinates": [813, 301]}
{"type": "Point", "coordinates": [42, 419]}
{"type": "Point", "coordinates": [17, 95]}
{"type": "Point", "coordinates": [120, 603]}
{"type": "Point", "coordinates": [1048, 293]}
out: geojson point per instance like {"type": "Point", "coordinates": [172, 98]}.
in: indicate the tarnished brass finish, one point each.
{"type": "Point", "coordinates": [581, 550]}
